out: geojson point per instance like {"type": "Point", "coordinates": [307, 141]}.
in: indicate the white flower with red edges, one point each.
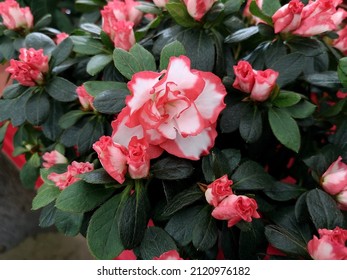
{"type": "Point", "coordinates": [175, 110]}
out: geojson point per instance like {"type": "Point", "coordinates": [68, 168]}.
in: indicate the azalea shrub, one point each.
{"type": "Point", "coordinates": [175, 129]}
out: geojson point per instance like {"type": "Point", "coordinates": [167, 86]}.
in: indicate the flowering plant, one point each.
{"type": "Point", "coordinates": [182, 129]}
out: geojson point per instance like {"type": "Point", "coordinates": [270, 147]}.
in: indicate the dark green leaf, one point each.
{"type": "Point", "coordinates": [179, 13]}
{"type": "Point", "coordinates": [62, 90]}
{"type": "Point", "coordinates": [269, 7]}
{"type": "Point", "coordinates": [323, 210]}
{"type": "Point", "coordinates": [6, 48]}
{"type": "Point", "coordinates": [242, 34]}
{"type": "Point", "coordinates": [37, 108]}
{"type": "Point", "coordinates": [51, 128]}
{"type": "Point", "coordinates": [144, 58]}
{"type": "Point", "coordinates": [62, 51]}
{"type": "Point", "coordinates": [342, 71]}
{"type": "Point", "coordinates": [110, 101]}
{"type": "Point", "coordinates": [301, 110]}
{"type": "Point", "coordinates": [134, 218]}
{"type": "Point", "coordinates": [91, 28]}
{"type": "Point", "coordinates": [251, 176]}
{"type": "Point", "coordinates": [148, 8]}
{"type": "Point", "coordinates": [340, 138]}
{"type": "Point", "coordinates": [285, 241]}
{"type": "Point", "coordinates": [82, 197]}
{"type": "Point", "coordinates": [87, 45]}
{"type": "Point", "coordinates": [231, 117]}
{"type": "Point", "coordinates": [173, 49]}
{"type": "Point", "coordinates": [68, 223]}
{"type": "Point", "coordinates": [94, 88]}
{"type": "Point", "coordinates": [251, 124]}
{"type": "Point", "coordinates": [328, 79]}
{"type": "Point", "coordinates": [172, 168]}
{"type": "Point", "coordinates": [301, 211]}
{"type": "Point", "coordinates": [98, 176]}
{"type": "Point", "coordinates": [103, 234]}
{"type": "Point", "coordinates": [285, 129]}
{"type": "Point", "coordinates": [45, 195]}
{"type": "Point", "coordinates": [13, 91]}
{"type": "Point", "coordinates": [155, 242]}
{"type": "Point", "coordinates": [97, 63]}
{"type": "Point", "coordinates": [126, 63]}
{"type": "Point", "coordinates": [70, 118]}
{"type": "Point", "coordinates": [274, 51]}
{"type": "Point", "coordinates": [43, 22]}
{"type": "Point", "coordinates": [283, 192]}
{"type": "Point", "coordinates": [30, 171]}
{"type": "Point", "coordinates": [289, 67]}
{"type": "Point", "coordinates": [306, 46]}
{"type": "Point", "coordinates": [89, 134]}
{"type": "Point", "coordinates": [38, 41]}
{"type": "Point", "coordinates": [182, 224]}
{"type": "Point", "coordinates": [286, 99]}
{"type": "Point", "coordinates": [233, 158]}
{"type": "Point", "coordinates": [232, 6]}
{"type": "Point", "coordinates": [3, 130]}
{"type": "Point", "coordinates": [205, 231]}
{"type": "Point", "coordinates": [47, 216]}
{"type": "Point", "coordinates": [181, 200]}
{"type": "Point", "coordinates": [215, 165]}
{"type": "Point", "coordinates": [17, 108]}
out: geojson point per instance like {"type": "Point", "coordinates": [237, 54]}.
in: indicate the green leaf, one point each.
{"type": "Point", "coordinates": [173, 49]}
{"type": "Point", "coordinates": [285, 128]}
{"type": "Point", "coordinates": [126, 63]}
{"type": "Point", "coordinates": [286, 99]}
{"type": "Point", "coordinates": [43, 22]}
{"type": "Point", "coordinates": [269, 7]}
{"type": "Point", "coordinates": [62, 52]}
{"type": "Point", "coordinates": [13, 91]}
{"type": "Point", "coordinates": [323, 210]}
{"type": "Point", "coordinates": [70, 118]}
{"type": "Point", "coordinates": [182, 224]}
{"type": "Point", "coordinates": [91, 28]}
{"type": "Point", "coordinates": [6, 48]}
{"type": "Point", "coordinates": [148, 8]}
{"type": "Point", "coordinates": [310, 47]}
{"type": "Point", "coordinates": [216, 164]}
{"type": "Point", "coordinates": [17, 108]}
{"type": "Point", "coordinates": [87, 45]}
{"type": "Point", "coordinates": [179, 13]}
{"type": "Point", "coordinates": [251, 176]}
{"type": "Point", "coordinates": [87, 6]}
{"type": "Point", "coordinates": [38, 41]}
{"type": "Point", "coordinates": [47, 216]}
{"type": "Point", "coordinates": [134, 217]}
{"type": "Point", "coordinates": [45, 195]}
{"type": "Point", "coordinates": [144, 58]}
{"type": "Point", "coordinates": [289, 67]}
{"type": "Point", "coordinates": [172, 168]}
{"type": "Point", "coordinates": [61, 90]}
{"type": "Point", "coordinates": [97, 63]}
{"type": "Point", "coordinates": [50, 128]}
{"type": "Point", "coordinates": [285, 241]}
{"type": "Point", "coordinates": [274, 51]}
{"type": "Point", "coordinates": [242, 34]}
{"type": "Point", "coordinates": [103, 233]}
{"type": "Point", "coordinates": [232, 6]}
{"type": "Point", "coordinates": [37, 108]}
{"type": "Point", "coordinates": [3, 130]}
{"type": "Point", "coordinates": [283, 192]}
{"type": "Point", "coordinates": [231, 117]}
{"type": "Point", "coordinates": [94, 88]}
{"type": "Point", "coordinates": [82, 197]}
{"type": "Point", "coordinates": [89, 134]}
{"type": "Point", "coordinates": [155, 242]}
{"type": "Point", "coordinates": [68, 223]}
{"type": "Point", "coordinates": [257, 12]}
{"type": "Point", "coordinates": [181, 200]}
{"type": "Point", "coordinates": [327, 79]}
{"type": "Point", "coordinates": [251, 124]}
{"type": "Point", "coordinates": [205, 231]}
{"type": "Point", "coordinates": [342, 71]}
{"type": "Point", "coordinates": [30, 171]}
{"type": "Point", "coordinates": [110, 101]}
{"type": "Point", "coordinates": [340, 139]}
{"type": "Point", "coordinates": [98, 176]}
{"type": "Point", "coordinates": [301, 110]}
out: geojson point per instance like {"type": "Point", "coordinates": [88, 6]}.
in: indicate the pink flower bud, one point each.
{"type": "Point", "coordinates": [53, 158]}
{"type": "Point", "coordinates": [198, 8]}
{"type": "Point", "coordinates": [160, 3]}
{"type": "Point", "coordinates": [85, 98]}
{"type": "Point", "coordinates": [138, 158]}
{"type": "Point", "coordinates": [124, 37]}
{"type": "Point", "coordinates": [218, 190]}
{"type": "Point", "coordinates": [14, 17]}
{"type": "Point", "coordinates": [288, 17]}
{"type": "Point", "coordinates": [61, 37]}
{"type": "Point", "coordinates": [334, 179]}
{"type": "Point", "coordinates": [331, 245]}
{"type": "Point", "coordinates": [235, 208]}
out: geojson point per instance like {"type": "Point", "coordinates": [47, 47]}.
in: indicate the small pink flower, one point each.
{"type": "Point", "coordinates": [160, 3]}
{"type": "Point", "coordinates": [61, 37]}
{"type": "Point", "coordinates": [288, 17]}
{"type": "Point", "coordinates": [334, 182]}
{"type": "Point", "coordinates": [169, 255]}
{"type": "Point", "coordinates": [218, 190]}
{"type": "Point", "coordinates": [63, 180]}
{"type": "Point", "coordinates": [198, 8]}
{"type": "Point", "coordinates": [175, 110]}
{"type": "Point", "coordinates": [235, 208]}
{"type": "Point", "coordinates": [138, 158]}
{"type": "Point", "coordinates": [14, 17]}
{"type": "Point", "coordinates": [53, 158]}
{"type": "Point", "coordinates": [331, 245]}
{"type": "Point", "coordinates": [85, 98]}
{"type": "Point", "coordinates": [320, 16]}
{"type": "Point", "coordinates": [30, 69]}
{"type": "Point", "coordinates": [113, 157]}
{"type": "Point", "coordinates": [258, 83]}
